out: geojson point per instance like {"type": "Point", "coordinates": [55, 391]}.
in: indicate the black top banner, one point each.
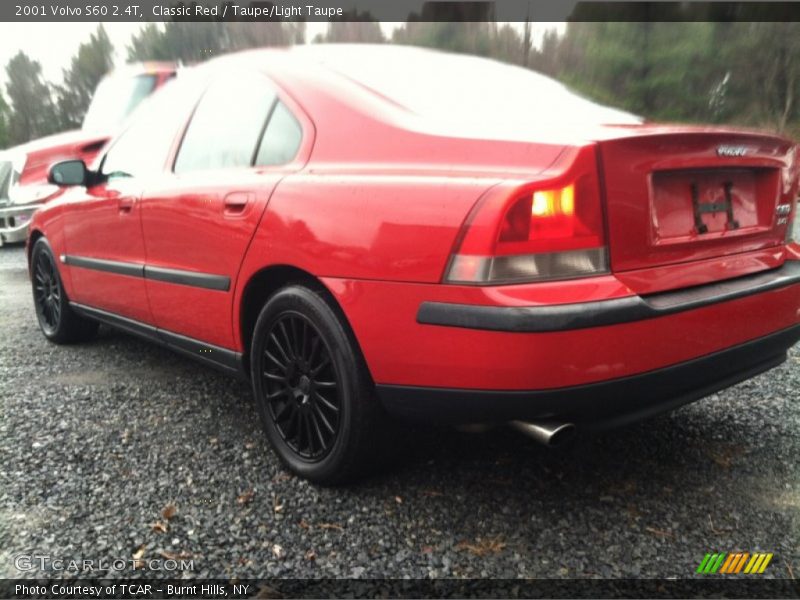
{"type": "Point", "coordinates": [394, 10]}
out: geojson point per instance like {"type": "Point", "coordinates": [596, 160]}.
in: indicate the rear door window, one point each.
{"type": "Point", "coordinates": [226, 125]}
{"type": "Point", "coordinates": [281, 139]}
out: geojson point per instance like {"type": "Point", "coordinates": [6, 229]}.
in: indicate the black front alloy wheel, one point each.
{"type": "Point", "coordinates": [47, 292]}
{"type": "Point", "coordinates": [57, 320]}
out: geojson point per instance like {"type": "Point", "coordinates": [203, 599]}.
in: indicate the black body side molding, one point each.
{"type": "Point", "coordinates": [108, 266]}
{"type": "Point", "coordinates": [207, 281]}
{"type": "Point", "coordinates": [201, 280]}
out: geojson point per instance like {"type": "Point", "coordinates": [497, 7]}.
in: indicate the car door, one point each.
{"type": "Point", "coordinates": [198, 221]}
{"type": "Point", "coordinates": [105, 250]}
{"type": "Point", "coordinates": [103, 229]}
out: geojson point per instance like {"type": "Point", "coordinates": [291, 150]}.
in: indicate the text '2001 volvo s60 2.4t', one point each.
{"type": "Point", "coordinates": [372, 233]}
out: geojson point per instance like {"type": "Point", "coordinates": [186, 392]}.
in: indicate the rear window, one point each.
{"type": "Point", "coordinates": [467, 91]}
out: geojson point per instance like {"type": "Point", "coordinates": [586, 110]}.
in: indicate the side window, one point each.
{"type": "Point", "coordinates": [142, 149]}
{"type": "Point", "coordinates": [281, 139]}
{"type": "Point", "coordinates": [226, 125]}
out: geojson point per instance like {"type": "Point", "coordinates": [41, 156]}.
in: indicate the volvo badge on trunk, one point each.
{"type": "Point", "coordinates": [731, 150]}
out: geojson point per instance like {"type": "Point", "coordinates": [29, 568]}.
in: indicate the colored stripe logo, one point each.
{"type": "Point", "coordinates": [734, 563]}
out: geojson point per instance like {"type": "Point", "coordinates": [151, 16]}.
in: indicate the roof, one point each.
{"type": "Point", "coordinates": [434, 91]}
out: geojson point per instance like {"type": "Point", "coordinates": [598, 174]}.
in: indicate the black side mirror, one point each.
{"type": "Point", "coordinates": [68, 172]}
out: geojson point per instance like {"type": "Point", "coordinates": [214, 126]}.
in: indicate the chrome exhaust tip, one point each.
{"type": "Point", "coordinates": [547, 433]}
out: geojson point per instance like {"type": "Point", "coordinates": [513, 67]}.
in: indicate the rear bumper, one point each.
{"type": "Point", "coordinates": [598, 405]}
{"type": "Point", "coordinates": [14, 222]}
{"type": "Point", "coordinates": [583, 315]}
{"type": "Point", "coordinates": [402, 351]}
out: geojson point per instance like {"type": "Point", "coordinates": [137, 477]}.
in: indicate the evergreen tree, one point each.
{"type": "Point", "coordinates": [192, 42]}
{"type": "Point", "coordinates": [5, 114]}
{"type": "Point", "coordinates": [93, 60]}
{"type": "Point", "coordinates": [34, 113]}
{"type": "Point", "coordinates": [354, 26]}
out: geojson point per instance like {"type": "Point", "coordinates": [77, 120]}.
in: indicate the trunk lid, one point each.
{"type": "Point", "coordinates": [679, 195]}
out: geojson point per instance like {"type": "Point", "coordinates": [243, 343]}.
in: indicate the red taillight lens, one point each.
{"type": "Point", "coordinates": [543, 215]}
{"type": "Point", "coordinates": [551, 229]}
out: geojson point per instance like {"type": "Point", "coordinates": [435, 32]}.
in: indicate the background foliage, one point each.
{"type": "Point", "coordinates": [716, 72]}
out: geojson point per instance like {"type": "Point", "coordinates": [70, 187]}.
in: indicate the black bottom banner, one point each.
{"type": "Point", "coordinates": [144, 589]}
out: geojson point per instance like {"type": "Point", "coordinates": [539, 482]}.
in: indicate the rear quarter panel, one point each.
{"type": "Point", "coordinates": [393, 227]}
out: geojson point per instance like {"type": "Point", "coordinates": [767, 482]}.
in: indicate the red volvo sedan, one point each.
{"type": "Point", "coordinates": [375, 232]}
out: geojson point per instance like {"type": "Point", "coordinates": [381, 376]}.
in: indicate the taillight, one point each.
{"type": "Point", "coordinates": [549, 229]}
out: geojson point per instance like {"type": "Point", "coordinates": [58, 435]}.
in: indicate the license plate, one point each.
{"type": "Point", "coordinates": [694, 204]}
{"type": "Point", "coordinates": [724, 205]}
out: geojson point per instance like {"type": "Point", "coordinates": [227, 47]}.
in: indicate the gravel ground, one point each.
{"type": "Point", "coordinates": [117, 448]}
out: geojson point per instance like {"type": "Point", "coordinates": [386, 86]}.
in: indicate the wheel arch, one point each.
{"type": "Point", "coordinates": [33, 237]}
{"type": "Point", "coordinates": [269, 280]}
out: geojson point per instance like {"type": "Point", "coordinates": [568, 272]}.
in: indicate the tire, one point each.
{"type": "Point", "coordinates": [312, 388]}
{"type": "Point", "coordinates": [58, 322]}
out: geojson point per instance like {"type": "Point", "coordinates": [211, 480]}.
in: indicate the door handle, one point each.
{"type": "Point", "coordinates": [236, 203]}
{"type": "Point", "coordinates": [126, 204]}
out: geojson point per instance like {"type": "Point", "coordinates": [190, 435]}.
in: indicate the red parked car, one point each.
{"type": "Point", "coordinates": [375, 232]}
{"type": "Point", "coordinates": [23, 169]}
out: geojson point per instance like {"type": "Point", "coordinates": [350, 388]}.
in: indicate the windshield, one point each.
{"type": "Point", "coordinates": [115, 98]}
{"type": "Point", "coordinates": [6, 175]}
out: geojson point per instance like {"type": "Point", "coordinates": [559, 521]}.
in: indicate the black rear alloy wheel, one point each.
{"type": "Point", "coordinates": [58, 322]}
{"type": "Point", "coordinates": [301, 386]}
{"type": "Point", "coordinates": [312, 388]}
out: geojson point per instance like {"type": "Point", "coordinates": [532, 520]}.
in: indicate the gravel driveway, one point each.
{"type": "Point", "coordinates": [121, 449]}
